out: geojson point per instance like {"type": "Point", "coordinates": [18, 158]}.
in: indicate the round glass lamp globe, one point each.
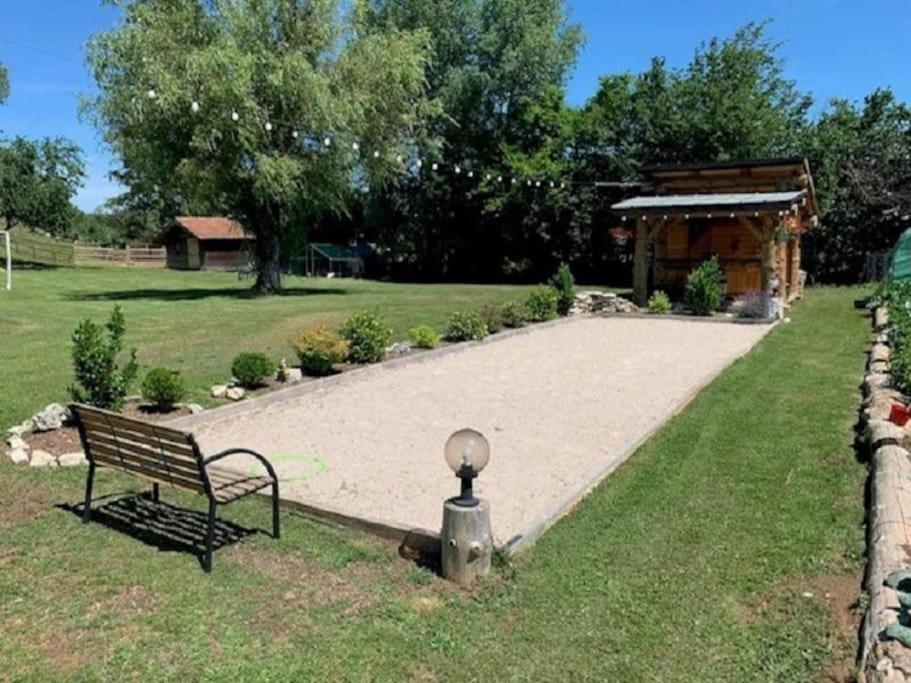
{"type": "Point", "coordinates": [468, 447]}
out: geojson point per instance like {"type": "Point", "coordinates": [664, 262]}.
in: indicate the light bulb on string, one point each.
{"type": "Point", "coordinates": [471, 174]}
{"type": "Point", "coordinates": [294, 134]}
{"type": "Point", "coordinates": [376, 154]}
{"type": "Point", "coordinates": [499, 179]}
{"type": "Point", "coordinates": [235, 116]}
{"type": "Point", "coordinates": [152, 94]}
{"type": "Point", "coordinates": [268, 126]}
{"type": "Point", "coordinates": [528, 183]}
{"type": "Point", "coordinates": [194, 107]}
{"type": "Point", "coordinates": [458, 170]}
{"type": "Point", "coordinates": [355, 146]}
{"type": "Point", "coordinates": [327, 141]}
{"type": "Point", "coordinates": [551, 184]}
{"type": "Point", "coordinates": [420, 163]}
{"type": "Point", "coordinates": [435, 166]}
{"type": "Point", "coordinates": [399, 158]}
{"type": "Point", "coordinates": [489, 176]}
{"type": "Point", "coordinates": [537, 183]}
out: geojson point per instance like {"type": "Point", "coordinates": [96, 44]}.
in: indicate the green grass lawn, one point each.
{"type": "Point", "coordinates": [709, 556]}
{"type": "Point", "coordinates": [195, 322]}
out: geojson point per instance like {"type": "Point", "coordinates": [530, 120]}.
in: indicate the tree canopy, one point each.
{"type": "Point", "coordinates": [225, 104]}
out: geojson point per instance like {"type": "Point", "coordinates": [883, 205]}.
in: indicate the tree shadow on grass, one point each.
{"type": "Point", "coordinates": [161, 525]}
{"type": "Point", "coordinates": [197, 293]}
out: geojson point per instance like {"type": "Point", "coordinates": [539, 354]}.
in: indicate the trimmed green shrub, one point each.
{"type": "Point", "coordinates": [565, 286]}
{"type": "Point", "coordinates": [250, 369]}
{"type": "Point", "coordinates": [319, 349]}
{"type": "Point", "coordinates": [492, 317]}
{"type": "Point", "coordinates": [100, 379]}
{"type": "Point", "coordinates": [466, 326]}
{"type": "Point", "coordinates": [164, 388]}
{"type": "Point", "coordinates": [659, 302]}
{"type": "Point", "coordinates": [514, 314]}
{"type": "Point", "coordinates": [424, 337]}
{"type": "Point", "coordinates": [703, 288]}
{"type": "Point", "coordinates": [542, 304]}
{"type": "Point", "coordinates": [367, 337]}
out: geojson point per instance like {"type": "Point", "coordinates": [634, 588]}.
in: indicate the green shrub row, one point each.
{"type": "Point", "coordinates": [897, 298]}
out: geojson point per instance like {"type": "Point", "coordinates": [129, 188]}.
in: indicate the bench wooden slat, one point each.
{"type": "Point", "coordinates": [178, 467]}
{"type": "Point", "coordinates": [180, 476]}
{"type": "Point", "coordinates": [184, 458]}
{"type": "Point", "coordinates": [159, 476]}
{"type": "Point", "coordinates": [124, 435]}
{"type": "Point", "coordinates": [105, 418]}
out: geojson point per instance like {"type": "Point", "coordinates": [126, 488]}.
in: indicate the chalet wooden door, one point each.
{"type": "Point", "coordinates": [192, 253]}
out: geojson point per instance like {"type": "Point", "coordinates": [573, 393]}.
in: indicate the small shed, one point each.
{"type": "Point", "coordinates": [207, 242]}
{"type": "Point", "coordinates": [332, 260]}
{"type": "Point", "coordinates": [750, 214]}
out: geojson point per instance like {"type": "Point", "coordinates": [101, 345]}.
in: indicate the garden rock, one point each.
{"type": "Point", "coordinates": [294, 375]}
{"type": "Point", "coordinates": [194, 408]}
{"type": "Point", "coordinates": [601, 302]}
{"type": "Point", "coordinates": [19, 456]}
{"type": "Point", "coordinates": [235, 393]}
{"type": "Point", "coordinates": [16, 443]}
{"type": "Point", "coordinates": [72, 459]}
{"type": "Point", "coordinates": [42, 459]}
{"type": "Point", "coordinates": [54, 416]}
{"type": "Point", "coordinates": [21, 430]}
{"type": "Point", "coordinates": [219, 391]}
{"type": "Point", "coordinates": [399, 349]}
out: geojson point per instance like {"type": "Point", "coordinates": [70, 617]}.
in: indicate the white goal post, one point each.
{"type": "Point", "coordinates": [9, 259]}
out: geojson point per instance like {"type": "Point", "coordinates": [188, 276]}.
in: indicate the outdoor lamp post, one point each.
{"type": "Point", "coordinates": [467, 454]}
{"type": "Point", "coordinates": [466, 541]}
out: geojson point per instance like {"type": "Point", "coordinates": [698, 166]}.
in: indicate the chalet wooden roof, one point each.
{"type": "Point", "coordinates": [701, 203]}
{"type": "Point", "coordinates": [212, 227]}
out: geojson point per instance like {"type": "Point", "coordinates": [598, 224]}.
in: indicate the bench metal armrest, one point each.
{"type": "Point", "coordinates": [234, 451]}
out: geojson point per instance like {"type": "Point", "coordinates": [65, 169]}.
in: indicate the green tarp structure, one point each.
{"type": "Point", "coordinates": [900, 262]}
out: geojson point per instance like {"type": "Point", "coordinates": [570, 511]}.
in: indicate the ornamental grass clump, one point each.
{"type": "Point", "coordinates": [101, 380]}
{"type": "Point", "coordinates": [659, 303]}
{"type": "Point", "coordinates": [319, 349]}
{"type": "Point", "coordinates": [367, 337]}
{"type": "Point", "coordinates": [163, 388]}
{"type": "Point", "coordinates": [492, 317]}
{"type": "Point", "coordinates": [251, 369]}
{"type": "Point", "coordinates": [542, 304]}
{"type": "Point", "coordinates": [466, 326]}
{"type": "Point", "coordinates": [703, 288]}
{"type": "Point", "coordinates": [424, 337]}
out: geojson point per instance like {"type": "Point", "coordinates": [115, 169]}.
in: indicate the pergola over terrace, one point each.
{"type": "Point", "coordinates": [749, 213]}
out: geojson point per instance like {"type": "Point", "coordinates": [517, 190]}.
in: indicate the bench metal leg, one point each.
{"type": "Point", "coordinates": [154, 493]}
{"type": "Point", "coordinates": [276, 531]}
{"type": "Point", "coordinates": [87, 508]}
{"type": "Point", "coordinates": [210, 538]}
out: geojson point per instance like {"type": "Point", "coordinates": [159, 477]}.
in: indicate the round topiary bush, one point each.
{"type": "Point", "coordinates": [163, 388]}
{"type": "Point", "coordinates": [514, 314]}
{"type": "Point", "coordinates": [367, 337]}
{"type": "Point", "coordinates": [250, 369]}
{"type": "Point", "coordinates": [542, 304]}
{"type": "Point", "coordinates": [466, 326]}
{"type": "Point", "coordinates": [319, 349]}
{"type": "Point", "coordinates": [424, 337]}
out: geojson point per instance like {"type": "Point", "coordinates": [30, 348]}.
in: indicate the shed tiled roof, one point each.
{"type": "Point", "coordinates": [212, 227]}
{"type": "Point", "coordinates": [740, 200]}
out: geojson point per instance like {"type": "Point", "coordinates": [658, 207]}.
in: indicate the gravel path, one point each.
{"type": "Point", "coordinates": [558, 404]}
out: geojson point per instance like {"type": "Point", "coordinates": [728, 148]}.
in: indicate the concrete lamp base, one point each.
{"type": "Point", "coordinates": [467, 544]}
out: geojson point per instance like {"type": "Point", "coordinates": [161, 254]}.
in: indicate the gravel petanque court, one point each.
{"type": "Point", "coordinates": [561, 405]}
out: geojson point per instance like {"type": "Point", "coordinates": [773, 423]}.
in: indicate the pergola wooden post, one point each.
{"type": "Point", "coordinates": [645, 234]}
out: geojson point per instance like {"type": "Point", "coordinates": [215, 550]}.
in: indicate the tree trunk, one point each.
{"type": "Point", "coordinates": [268, 263]}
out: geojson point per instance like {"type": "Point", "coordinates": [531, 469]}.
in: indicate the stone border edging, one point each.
{"type": "Point", "coordinates": [733, 320]}
{"type": "Point", "coordinates": [888, 521]}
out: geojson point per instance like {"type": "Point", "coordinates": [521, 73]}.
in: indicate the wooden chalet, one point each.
{"type": "Point", "coordinates": [207, 242]}
{"type": "Point", "coordinates": [750, 214]}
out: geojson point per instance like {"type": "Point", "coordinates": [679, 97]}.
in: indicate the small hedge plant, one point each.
{"type": "Point", "coordinates": [367, 337]}
{"type": "Point", "coordinates": [101, 380]}
{"type": "Point", "coordinates": [466, 326]}
{"type": "Point", "coordinates": [319, 349]}
{"type": "Point", "coordinates": [250, 369]}
{"type": "Point", "coordinates": [565, 286]}
{"type": "Point", "coordinates": [163, 388]}
{"type": "Point", "coordinates": [659, 302]}
{"type": "Point", "coordinates": [542, 304]}
{"type": "Point", "coordinates": [492, 317]}
{"type": "Point", "coordinates": [424, 337]}
{"type": "Point", "coordinates": [898, 296]}
{"type": "Point", "coordinates": [703, 288]}
{"type": "Point", "coordinates": [514, 314]}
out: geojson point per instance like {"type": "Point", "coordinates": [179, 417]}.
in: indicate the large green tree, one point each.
{"type": "Point", "coordinates": [860, 156]}
{"type": "Point", "coordinates": [226, 104]}
{"type": "Point", "coordinates": [496, 67]}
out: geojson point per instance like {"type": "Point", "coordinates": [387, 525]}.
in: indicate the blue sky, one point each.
{"type": "Point", "coordinates": [833, 48]}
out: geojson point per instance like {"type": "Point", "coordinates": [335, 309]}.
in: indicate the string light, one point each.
{"type": "Point", "coordinates": [376, 154]}
{"type": "Point", "coordinates": [152, 94]}
{"type": "Point", "coordinates": [268, 126]}
{"type": "Point", "coordinates": [194, 107]}
{"type": "Point", "coordinates": [458, 170]}
{"type": "Point", "coordinates": [234, 115]}
{"type": "Point", "coordinates": [435, 166]}
{"type": "Point", "coordinates": [294, 134]}
{"type": "Point", "coordinates": [355, 146]}
{"type": "Point", "coordinates": [327, 142]}
{"type": "Point", "coordinates": [399, 158]}
{"type": "Point", "coordinates": [471, 174]}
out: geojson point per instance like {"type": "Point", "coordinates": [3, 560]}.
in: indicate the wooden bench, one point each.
{"type": "Point", "coordinates": [168, 456]}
